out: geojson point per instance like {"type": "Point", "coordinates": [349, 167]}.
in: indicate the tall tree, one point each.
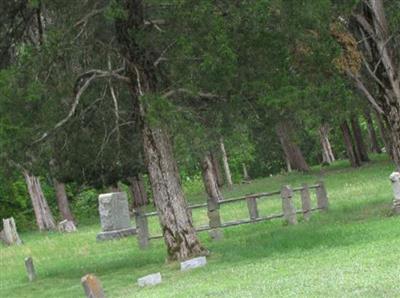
{"type": "Point", "coordinates": [292, 151]}
{"type": "Point", "coordinates": [373, 138]}
{"type": "Point", "coordinates": [144, 80]}
{"type": "Point", "coordinates": [373, 63]}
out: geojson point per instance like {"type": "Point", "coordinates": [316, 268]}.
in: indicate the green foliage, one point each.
{"type": "Point", "coordinates": [85, 208]}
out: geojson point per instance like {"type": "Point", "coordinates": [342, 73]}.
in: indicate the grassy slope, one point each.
{"type": "Point", "coordinates": [353, 250]}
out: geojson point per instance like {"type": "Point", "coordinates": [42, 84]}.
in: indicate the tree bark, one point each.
{"type": "Point", "coordinates": [371, 133]}
{"type": "Point", "coordinates": [327, 153]}
{"type": "Point", "coordinates": [175, 217]}
{"type": "Point", "coordinates": [360, 147]}
{"type": "Point", "coordinates": [380, 80]}
{"type": "Point", "coordinates": [217, 169]}
{"type": "Point", "coordinates": [44, 218]}
{"type": "Point", "coordinates": [146, 79]}
{"type": "Point", "coordinates": [114, 188]}
{"type": "Point", "coordinates": [209, 179]}
{"type": "Point", "coordinates": [225, 161]}
{"type": "Point", "coordinates": [62, 201]}
{"type": "Point", "coordinates": [246, 176]}
{"type": "Point", "coordinates": [138, 192]}
{"type": "Point", "coordinates": [293, 154]}
{"type": "Point", "coordinates": [351, 154]}
{"type": "Point", "coordinates": [385, 134]}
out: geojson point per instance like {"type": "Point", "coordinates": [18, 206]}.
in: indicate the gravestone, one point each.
{"type": "Point", "coordinates": [114, 216]}
{"type": "Point", "coordinates": [150, 280]}
{"type": "Point", "coordinates": [193, 263]}
{"type": "Point", "coordinates": [66, 226]}
{"type": "Point", "coordinates": [92, 286]}
{"type": "Point", "coordinates": [395, 178]}
{"type": "Point", "coordinates": [9, 235]}
{"type": "Point", "coordinates": [30, 269]}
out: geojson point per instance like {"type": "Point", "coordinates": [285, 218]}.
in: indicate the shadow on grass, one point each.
{"type": "Point", "coordinates": [340, 227]}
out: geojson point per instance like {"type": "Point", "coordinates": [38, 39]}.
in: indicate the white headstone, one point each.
{"type": "Point", "coordinates": [114, 211]}
{"type": "Point", "coordinates": [395, 178]}
{"type": "Point", "coordinates": [67, 226]}
{"type": "Point", "coordinates": [193, 263]}
{"type": "Point", "coordinates": [150, 280]}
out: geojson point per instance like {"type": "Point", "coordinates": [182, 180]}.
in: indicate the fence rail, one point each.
{"type": "Point", "coordinates": [289, 211]}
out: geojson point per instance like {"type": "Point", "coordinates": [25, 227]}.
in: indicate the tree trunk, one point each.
{"type": "Point", "coordinates": [288, 165]}
{"type": "Point", "coordinates": [385, 134]}
{"type": "Point", "coordinates": [44, 218]}
{"type": "Point", "coordinates": [114, 188]}
{"type": "Point", "coordinates": [228, 175]}
{"type": "Point", "coordinates": [371, 133]}
{"type": "Point", "coordinates": [360, 147]}
{"type": "Point", "coordinates": [381, 81]}
{"type": "Point", "coordinates": [62, 201]}
{"type": "Point", "coordinates": [217, 169]}
{"type": "Point", "coordinates": [351, 154]}
{"type": "Point", "coordinates": [138, 191]}
{"type": "Point", "coordinates": [246, 176]}
{"type": "Point", "coordinates": [327, 153]}
{"type": "Point", "coordinates": [293, 154]}
{"type": "Point", "coordinates": [145, 79]}
{"type": "Point", "coordinates": [209, 179]}
{"type": "Point", "coordinates": [175, 217]}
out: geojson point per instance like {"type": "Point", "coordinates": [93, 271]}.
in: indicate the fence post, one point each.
{"type": "Point", "coordinates": [214, 219]}
{"type": "Point", "coordinates": [252, 206]}
{"type": "Point", "coordinates": [142, 228]}
{"type": "Point", "coordinates": [322, 197]}
{"type": "Point", "coordinates": [306, 202]}
{"type": "Point", "coordinates": [289, 210]}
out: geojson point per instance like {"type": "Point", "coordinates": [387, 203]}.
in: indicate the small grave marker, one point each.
{"type": "Point", "coordinates": [66, 226]}
{"type": "Point", "coordinates": [92, 286]}
{"type": "Point", "coordinates": [193, 263]}
{"type": "Point", "coordinates": [30, 269]}
{"type": "Point", "coordinates": [395, 178]}
{"type": "Point", "coordinates": [150, 280]}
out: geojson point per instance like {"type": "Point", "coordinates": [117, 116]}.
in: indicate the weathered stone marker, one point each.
{"type": "Point", "coordinates": [9, 235]}
{"type": "Point", "coordinates": [150, 280]}
{"type": "Point", "coordinates": [92, 286]}
{"type": "Point", "coordinates": [306, 202]}
{"type": "Point", "coordinates": [30, 269]}
{"type": "Point", "coordinates": [289, 210]}
{"type": "Point", "coordinates": [193, 263]}
{"type": "Point", "coordinates": [322, 196]}
{"type": "Point", "coordinates": [114, 216]}
{"type": "Point", "coordinates": [66, 226]}
{"type": "Point", "coordinates": [395, 178]}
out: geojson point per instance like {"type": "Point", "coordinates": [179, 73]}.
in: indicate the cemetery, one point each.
{"type": "Point", "coordinates": [213, 148]}
{"type": "Point", "coordinates": [346, 224]}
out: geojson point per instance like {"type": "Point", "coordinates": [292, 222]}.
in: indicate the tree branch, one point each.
{"type": "Point", "coordinates": [360, 85]}
{"type": "Point", "coordinates": [71, 111]}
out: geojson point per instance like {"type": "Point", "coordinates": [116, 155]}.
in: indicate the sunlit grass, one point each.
{"type": "Point", "coordinates": [352, 250]}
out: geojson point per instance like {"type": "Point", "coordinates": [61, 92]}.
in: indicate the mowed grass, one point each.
{"type": "Point", "coordinates": [351, 251]}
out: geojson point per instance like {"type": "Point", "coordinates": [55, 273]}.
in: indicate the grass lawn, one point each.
{"type": "Point", "coordinates": [352, 250]}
